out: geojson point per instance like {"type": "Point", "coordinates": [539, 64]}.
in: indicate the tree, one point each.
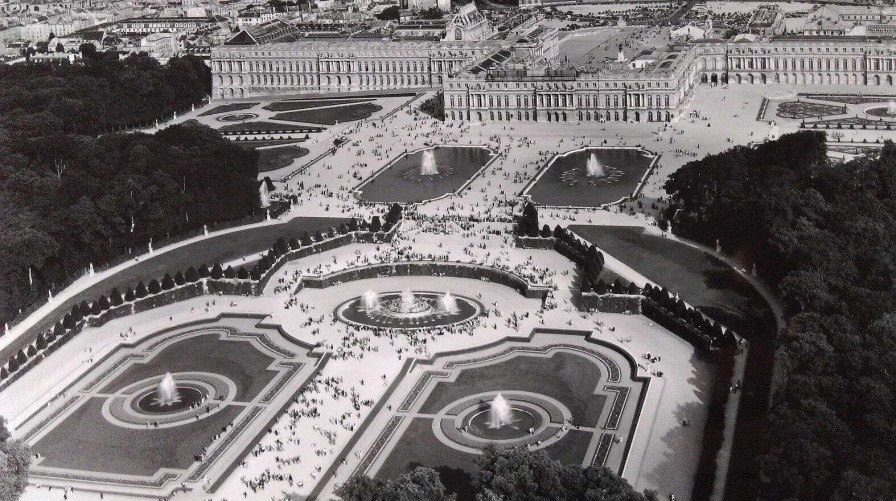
{"type": "Point", "coordinates": [519, 473]}
{"type": "Point", "coordinates": [167, 282]}
{"type": "Point", "coordinates": [824, 237]}
{"type": "Point", "coordinates": [431, 13]}
{"type": "Point", "coordinates": [154, 287]}
{"type": "Point", "coordinates": [389, 14]}
{"type": "Point", "coordinates": [85, 308]}
{"type": "Point", "coordinates": [192, 275]}
{"type": "Point", "coordinates": [102, 304]}
{"type": "Point", "coordinates": [15, 460]}
{"type": "Point", "coordinates": [527, 224]}
{"type": "Point", "coordinates": [375, 224]}
{"type": "Point", "coordinates": [87, 50]}
{"type": "Point", "coordinates": [229, 272]}
{"type": "Point", "coordinates": [419, 484]}
{"type": "Point", "coordinates": [94, 195]}
{"type": "Point", "coordinates": [115, 298]}
{"type": "Point", "coordinates": [217, 271]}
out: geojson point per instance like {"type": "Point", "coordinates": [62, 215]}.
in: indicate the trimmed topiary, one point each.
{"type": "Point", "coordinates": [179, 278]}
{"type": "Point", "coordinates": [217, 271]}
{"type": "Point", "coordinates": [141, 291]}
{"type": "Point", "coordinates": [154, 287]}
{"type": "Point", "coordinates": [192, 275]}
{"type": "Point", "coordinates": [115, 298]}
{"type": "Point", "coordinates": [242, 274]}
{"type": "Point", "coordinates": [204, 271]}
{"type": "Point", "coordinates": [76, 314]}
{"type": "Point", "coordinates": [230, 272]}
{"type": "Point", "coordinates": [167, 282]}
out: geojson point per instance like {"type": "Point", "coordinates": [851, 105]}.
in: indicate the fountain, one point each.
{"type": "Point", "coordinates": [166, 393]}
{"type": "Point", "coordinates": [408, 301]}
{"type": "Point", "coordinates": [447, 303]}
{"type": "Point", "coordinates": [500, 413]}
{"type": "Point", "coordinates": [891, 107]}
{"type": "Point", "coordinates": [371, 301]}
{"type": "Point", "coordinates": [428, 165]}
{"type": "Point", "coordinates": [594, 168]}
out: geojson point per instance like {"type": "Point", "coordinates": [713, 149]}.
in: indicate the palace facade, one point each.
{"type": "Point", "coordinates": [513, 76]}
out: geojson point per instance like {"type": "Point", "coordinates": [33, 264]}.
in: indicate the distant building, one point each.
{"type": "Point", "coordinates": [73, 42]}
{"type": "Point", "coordinates": [469, 25]}
{"type": "Point", "coordinates": [40, 32]}
{"type": "Point", "coordinates": [691, 31]}
{"type": "Point", "coordinates": [420, 28]}
{"type": "Point", "coordinates": [254, 16]}
{"type": "Point", "coordinates": [767, 20]}
{"type": "Point", "coordinates": [839, 20]}
{"type": "Point", "coordinates": [161, 46]}
{"type": "Point", "coordinates": [147, 25]}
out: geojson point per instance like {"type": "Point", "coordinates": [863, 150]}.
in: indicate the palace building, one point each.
{"type": "Point", "coordinates": [515, 74]}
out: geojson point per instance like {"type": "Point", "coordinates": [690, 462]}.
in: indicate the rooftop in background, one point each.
{"type": "Point", "coordinates": [597, 51]}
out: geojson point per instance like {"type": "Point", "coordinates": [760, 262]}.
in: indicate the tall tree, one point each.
{"type": "Point", "coordinates": [15, 459]}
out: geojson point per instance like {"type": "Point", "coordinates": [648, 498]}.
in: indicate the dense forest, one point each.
{"type": "Point", "coordinates": [71, 194]}
{"type": "Point", "coordinates": [825, 235]}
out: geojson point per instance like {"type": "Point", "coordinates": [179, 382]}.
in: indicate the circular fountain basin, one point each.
{"type": "Point", "coordinates": [521, 421]}
{"type": "Point", "coordinates": [186, 397]}
{"type": "Point", "coordinates": [394, 313]}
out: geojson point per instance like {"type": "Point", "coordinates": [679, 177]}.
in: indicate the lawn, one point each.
{"type": "Point", "coordinates": [330, 116]}
{"type": "Point", "coordinates": [569, 378]}
{"type": "Point", "coordinates": [708, 283]}
{"type": "Point", "coordinates": [700, 278]}
{"type": "Point", "coordinates": [218, 249]}
{"type": "Point", "coordinates": [227, 108]}
{"type": "Point", "coordinates": [305, 104]}
{"type": "Point", "coordinates": [277, 158]}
